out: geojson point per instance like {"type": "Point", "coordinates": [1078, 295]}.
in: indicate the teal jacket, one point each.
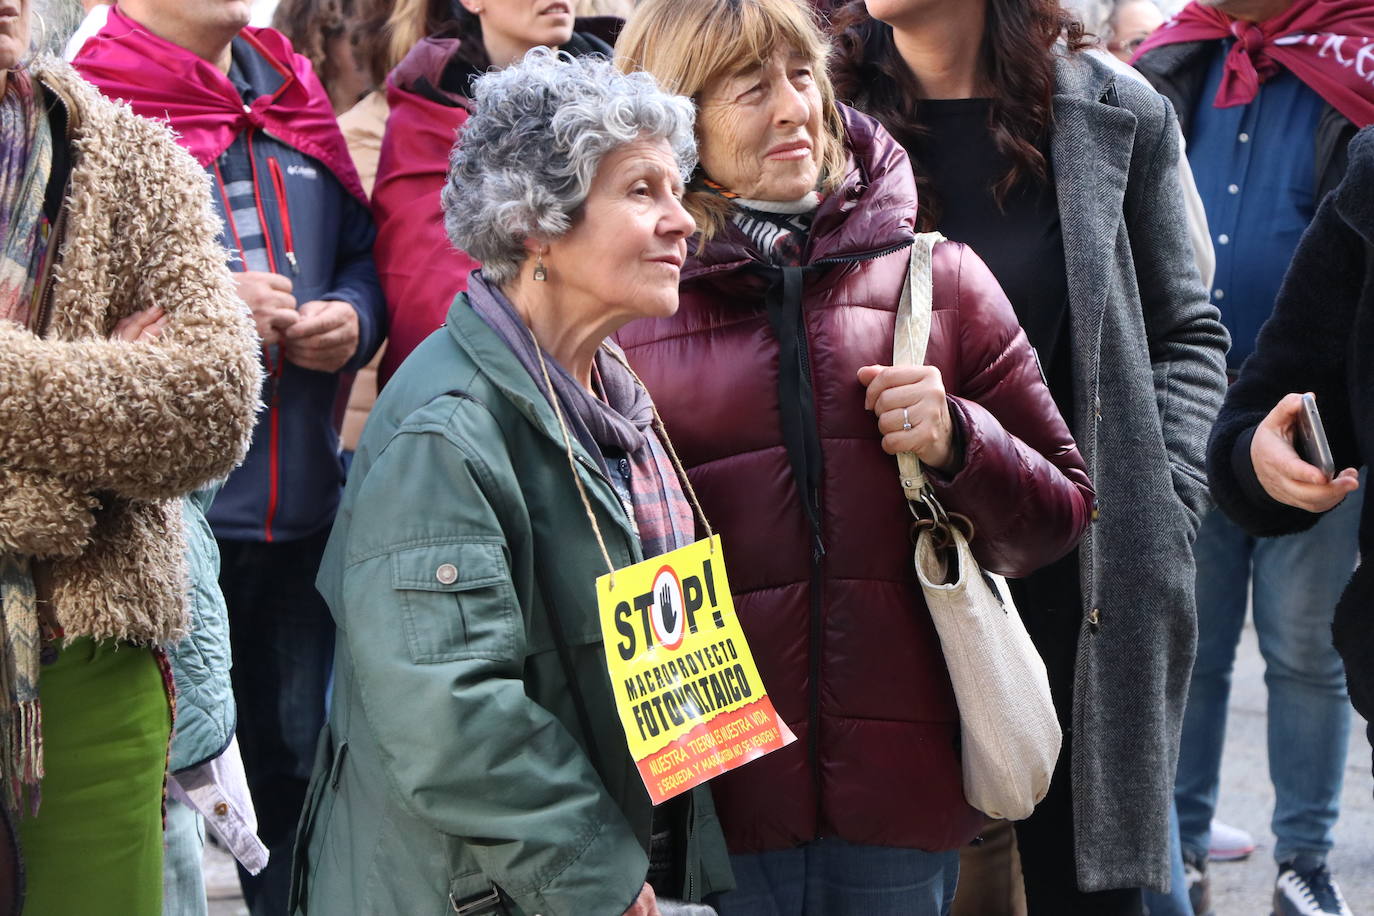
{"type": "Point", "coordinates": [453, 761]}
{"type": "Point", "coordinates": [200, 660]}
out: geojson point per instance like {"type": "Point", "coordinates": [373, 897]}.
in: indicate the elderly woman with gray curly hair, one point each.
{"type": "Point", "coordinates": [473, 760]}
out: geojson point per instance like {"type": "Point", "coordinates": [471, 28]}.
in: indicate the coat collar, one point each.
{"type": "Point", "coordinates": [1091, 149]}
{"type": "Point", "coordinates": [422, 70]}
{"type": "Point", "coordinates": [1178, 72]}
{"type": "Point", "coordinates": [499, 365]}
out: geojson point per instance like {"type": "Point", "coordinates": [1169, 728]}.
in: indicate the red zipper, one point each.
{"type": "Point", "coordinates": [279, 185]}
{"type": "Point", "coordinates": [274, 366]}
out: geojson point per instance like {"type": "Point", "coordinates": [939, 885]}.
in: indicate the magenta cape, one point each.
{"type": "Point", "coordinates": [165, 82]}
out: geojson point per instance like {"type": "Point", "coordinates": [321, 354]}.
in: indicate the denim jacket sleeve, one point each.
{"type": "Point", "coordinates": [431, 618]}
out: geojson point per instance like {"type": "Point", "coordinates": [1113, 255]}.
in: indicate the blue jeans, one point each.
{"type": "Point", "coordinates": [1296, 581]}
{"type": "Point", "coordinates": [1176, 902]}
{"type": "Point", "coordinates": [829, 877]}
{"type": "Point", "coordinates": [183, 885]}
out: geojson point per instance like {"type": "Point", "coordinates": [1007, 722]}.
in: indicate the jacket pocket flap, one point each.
{"type": "Point", "coordinates": [457, 601]}
{"type": "Point", "coordinates": [449, 567]}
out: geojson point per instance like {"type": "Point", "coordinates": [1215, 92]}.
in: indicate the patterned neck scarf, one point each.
{"type": "Point", "coordinates": [25, 165]}
{"type": "Point", "coordinates": [777, 228]}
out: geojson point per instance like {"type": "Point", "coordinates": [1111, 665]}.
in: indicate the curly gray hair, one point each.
{"type": "Point", "coordinates": [525, 161]}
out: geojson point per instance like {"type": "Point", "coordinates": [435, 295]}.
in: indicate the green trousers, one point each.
{"type": "Point", "coordinates": [95, 846]}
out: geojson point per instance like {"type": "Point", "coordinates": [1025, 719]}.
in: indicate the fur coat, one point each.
{"type": "Point", "coordinates": [98, 438]}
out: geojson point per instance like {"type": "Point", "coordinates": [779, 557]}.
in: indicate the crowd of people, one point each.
{"type": "Point", "coordinates": [339, 359]}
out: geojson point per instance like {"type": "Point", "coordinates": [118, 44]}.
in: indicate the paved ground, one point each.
{"type": "Point", "coordinates": [222, 884]}
{"type": "Point", "coordinates": [1247, 800]}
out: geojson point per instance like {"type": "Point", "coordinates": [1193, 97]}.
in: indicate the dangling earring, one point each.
{"type": "Point", "coordinates": [540, 273]}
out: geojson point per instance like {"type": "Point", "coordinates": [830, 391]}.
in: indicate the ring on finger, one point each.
{"type": "Point", "coordinates": [906, 420]}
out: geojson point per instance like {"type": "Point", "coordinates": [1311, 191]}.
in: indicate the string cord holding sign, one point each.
{"type": "Point", "coordinates": [572, 459]}
{"type": "Point", "coordinates": [660, 430]}
{"type": "Point", "coordinates": [565, 661]}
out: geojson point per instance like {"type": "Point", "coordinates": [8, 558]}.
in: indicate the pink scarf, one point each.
{"type": "Point", "coordinates": [165, 82]}
{"type": "Point", "coordinates": [1328, 44]}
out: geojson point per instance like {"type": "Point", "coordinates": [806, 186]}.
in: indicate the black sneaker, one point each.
{"type": "Point", "coordinates": [1310, 892]}
{"type": "Point", "coordinates": [1199, 885]}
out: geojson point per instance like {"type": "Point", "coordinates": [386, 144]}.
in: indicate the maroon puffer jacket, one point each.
{"type": "Point", "coordinates": [756, 379]}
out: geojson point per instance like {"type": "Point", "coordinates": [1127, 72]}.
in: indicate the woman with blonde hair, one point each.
{"type": "Point", "coordinates": [772, 379]}
{"type": "Point", "coordinates": [383, 34]}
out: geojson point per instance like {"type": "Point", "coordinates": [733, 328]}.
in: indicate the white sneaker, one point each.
{"type": "Point", "coordinates": [1229, 844]}
{"type": "Point", "coordinates": [1308, 893]}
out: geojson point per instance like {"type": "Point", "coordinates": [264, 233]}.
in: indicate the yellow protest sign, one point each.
{"type": "Point", "coordinates": [688, 694]}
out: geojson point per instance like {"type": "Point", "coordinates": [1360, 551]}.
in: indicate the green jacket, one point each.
{"type": "Point", "coordinates": [453, 759]}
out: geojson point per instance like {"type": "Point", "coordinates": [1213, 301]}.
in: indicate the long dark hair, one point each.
{"type": "Point", "coordinates": [1015, 65]}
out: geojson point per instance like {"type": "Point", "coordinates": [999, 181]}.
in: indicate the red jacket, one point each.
{"type": "Point", "coordinates": [789, 467]}
{"type": "Point", "coordinates": [421, 271]}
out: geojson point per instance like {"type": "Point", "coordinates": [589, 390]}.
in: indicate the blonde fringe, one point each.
{"type": "Point", "coordinates": [405, 27]}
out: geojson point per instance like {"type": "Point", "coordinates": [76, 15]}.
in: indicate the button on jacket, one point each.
{"type": "Point", "coordinates": [1260, 193]}
{"type": "Point", "coordinates": [756, 380]}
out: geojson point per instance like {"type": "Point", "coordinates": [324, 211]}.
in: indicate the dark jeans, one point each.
{"type": "Point", "coordinates": [1045, 839]}
{"type": "Point", "coordinates": [829, 877]}
{"type": "Point", "coordinates": [283, 644]}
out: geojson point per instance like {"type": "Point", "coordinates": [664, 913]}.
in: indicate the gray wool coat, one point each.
{"type": "Point", "coordinates": [1149, 377]}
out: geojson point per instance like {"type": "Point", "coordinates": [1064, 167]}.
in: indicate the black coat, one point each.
{"type": "Point", "coordinates": [1320, 338]}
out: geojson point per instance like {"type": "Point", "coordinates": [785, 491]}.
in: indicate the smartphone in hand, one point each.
{"type": "Point", "coordinates": [1310, 439]}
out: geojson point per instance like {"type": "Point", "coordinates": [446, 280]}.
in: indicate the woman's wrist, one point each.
{"type": "Point", "coordinates": [952, 461]}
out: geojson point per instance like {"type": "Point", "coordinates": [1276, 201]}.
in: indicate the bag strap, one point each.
{"type": "Point", "coordinates": [911, 339]}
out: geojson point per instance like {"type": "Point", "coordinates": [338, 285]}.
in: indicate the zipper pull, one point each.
{"type": "Point", "coordinates": [291, 259]}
